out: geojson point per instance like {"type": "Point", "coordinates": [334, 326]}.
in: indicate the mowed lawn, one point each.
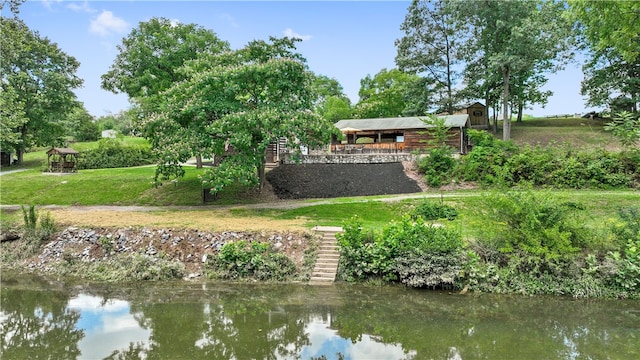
{"type": "Point", "coordinates": [122, 186]}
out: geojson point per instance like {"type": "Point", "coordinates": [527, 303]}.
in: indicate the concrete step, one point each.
{"type": "Point", "coordinates": [326, 265]}
{"type": "Point", "coordinates": [323, 275]}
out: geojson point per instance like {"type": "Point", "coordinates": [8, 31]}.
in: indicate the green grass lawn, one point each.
{"type": "Point", "coordinates": [122, 186]}
{"type": "Point", "coordinates": [575, 131]}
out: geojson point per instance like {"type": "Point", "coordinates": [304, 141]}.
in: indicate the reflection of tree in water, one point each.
{"type": "Point", "coordinates": [444, 326]}
{"type": "Point", "coordinates": [226, 327]}
{"type": "Point", "coordinates": [38, 325]}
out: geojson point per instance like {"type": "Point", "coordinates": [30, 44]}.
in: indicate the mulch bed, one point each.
{"type": "Point", "coordinates": [302, 181]}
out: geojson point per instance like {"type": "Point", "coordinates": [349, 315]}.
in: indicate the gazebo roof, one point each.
{"type": "Point", "coordinates": [62, 151]}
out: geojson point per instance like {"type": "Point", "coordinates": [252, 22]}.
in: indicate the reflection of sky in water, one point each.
{"type": "Point", "coordinates": [327, 342]}
{"type": "Point", "coordinates": [110, 326]}
{"type": "Point", "coordinates": [107, 326]}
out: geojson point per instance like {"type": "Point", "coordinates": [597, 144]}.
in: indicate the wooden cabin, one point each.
{"type": "Point", "coordinates": [397, 135]}
{"type": "Point", "coordinates": [62, 160]}
{"type": "Point", "coordinates": [478, 115]}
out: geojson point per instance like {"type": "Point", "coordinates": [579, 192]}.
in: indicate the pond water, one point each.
{"type": "Point", "coordinates": [55, 320]}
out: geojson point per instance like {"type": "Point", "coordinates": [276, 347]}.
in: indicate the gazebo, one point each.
{"type": "Point", "coordinates": [62, 160]}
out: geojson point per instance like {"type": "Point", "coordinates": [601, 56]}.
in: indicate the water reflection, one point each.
{"type": "Point", "coordinates": [110, 319]}
{"type": "Point", "coordinates": [223, 321]}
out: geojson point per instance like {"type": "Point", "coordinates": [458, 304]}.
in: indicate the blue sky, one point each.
{"type": "Point", "coordinates": [345, 40]}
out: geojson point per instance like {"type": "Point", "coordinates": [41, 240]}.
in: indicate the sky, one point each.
{"type": "Point", "coordinates": [345, 40]}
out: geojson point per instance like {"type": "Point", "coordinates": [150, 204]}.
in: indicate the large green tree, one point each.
{"type": "Point", "coordinates": [37, 87]}
{"type": "Point", "coordinates": [430, 47]}
{"type": "Point", "coordinates": [81, 125]}
{"type": "Point", "coordinates": [332, 103]}
{"type": "Point", "coordinates": [243, 100]}
{"type": "Point", "coordinates": [384, 94]}
{"type": "Point", "coordinates": [610, 32]}
{"type": "Point", "coordinates": [609, 25]}
{"type": "Point", "coordinates": [148, 64]}
{"type": "Point", "coordinates": [515, 37]}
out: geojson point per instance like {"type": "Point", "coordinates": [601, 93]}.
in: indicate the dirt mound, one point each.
{"type": "Point", "coordinates": [301, 181]}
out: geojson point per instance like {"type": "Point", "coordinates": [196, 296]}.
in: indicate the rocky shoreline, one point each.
{"type": "Point", "coordinates": [187, 246]}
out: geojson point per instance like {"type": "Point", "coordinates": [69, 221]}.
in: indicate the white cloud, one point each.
{"type": "Point", "coordinates": [292, 34]}
{"type": "Point", "coordinates": [174, 22]}
{"type": "Point", "coordinates": [82, 7]}
{"type": "Point", "coordinates": [49, 3]}
{"type": "Point", "coordinates": [230, 20]}
{"type": "Point", "coordinates": [106, 22]}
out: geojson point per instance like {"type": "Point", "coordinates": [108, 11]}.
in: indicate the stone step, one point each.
{"type": "Point", "coordinates": [323, 275]}
{"type": "Point", "coordinates": [326, 265]}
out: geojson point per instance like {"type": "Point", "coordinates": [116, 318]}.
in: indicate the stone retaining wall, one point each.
{"type": "Point", "coordinates": [350, 159]}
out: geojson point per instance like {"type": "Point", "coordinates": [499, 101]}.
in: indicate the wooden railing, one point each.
{"type": "Point", "coordinates": [375, 148]}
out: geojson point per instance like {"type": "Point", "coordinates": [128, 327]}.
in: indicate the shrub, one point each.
{"type": "Point", "coordinates": [485, 163]}
{"type": "Point", "coordinates": [111, 154]}
{"type": "Point", "coordinates": [37, 228]}
{"type": "Point", "coordinates": [437, 167]}
{"type": "Point", "coordinates": [534, 223]}
{"type": "Point", "coordinates": [430, 210]}
{"type": "Point", "coordinates": [243, 259]}
{"type": "Point", "coordinates": [411, 251]}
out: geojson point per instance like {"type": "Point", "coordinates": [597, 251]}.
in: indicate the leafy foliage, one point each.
{"type": "Point", "coordinates": [430, 210]}
{"type": "Point", "coordinates": [258, 260]}
{"type": "Point", "coordinates": [241, 102]}
{"type": "Point", "coordinates": [438, 166]}
{"type": "Point", "coordinates": [37, 228]}
{"type": "Point", "coordinates": [498, 163]}
{"type": "Point", "coordinates": [37, 84]}
{"type": "Point", "coordinates": [431, 48]}
{"type": "Point", "coordinates": [626, 128]}
{"type": "Point", "coordinates": [411, 251]}
{"type": "Point", "coordinates": [532, 223]}
{"type": "Point", "coordinates": [384, 94]}
{"type": "Point", "coordinates": [518, 41]}
{"type": "Point", "coordinates": [110, 153]}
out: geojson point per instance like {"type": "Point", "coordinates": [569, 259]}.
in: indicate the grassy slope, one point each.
{"type": "Point", "coordinates": [575, 131]}
{"type": "Point", "coordinates": [133, 186]}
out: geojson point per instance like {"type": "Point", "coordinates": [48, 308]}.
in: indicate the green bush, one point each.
{"type": "Point", "coordinates": [533, 223]}
{"type": "Point", "coordinates": [37, 229]}
{"type": "Point", "coordinates": [437, 167]}
{"type": "Point", "coordinates": [430, 210]}
{"type": "Point", "coordinates": [243, 259]}
{"type": "Point", "coordinates": [485, 163]}
{"type": "Point", "coordinates": [498, 163]}
{"type": "Point", "coordinates": [411, 251]}
{"type": "Point", "coordinates": [111, 154]}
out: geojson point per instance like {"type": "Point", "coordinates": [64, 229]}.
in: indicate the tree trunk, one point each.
{"type": "Point", "coordinates": [261, 174]}
{"type": "Point", "coordinates": [506, 122]}
{"type": "Point", "coordinates": [19, 155]}
{"type": "Point", "coordinates": [495, 118]}
{"type": "Point", "coordinates": [520, 109]}
{"type": "Point", "coordinates": [199, 161]}
{"type": "Point", "coordinates": [486, 101]}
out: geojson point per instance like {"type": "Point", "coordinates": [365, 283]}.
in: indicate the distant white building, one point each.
{"type": "Point", "coordinates": [109, 134]}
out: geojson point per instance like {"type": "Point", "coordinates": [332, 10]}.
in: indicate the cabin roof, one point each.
{"type": "Point", "coordinates": [397, 123]}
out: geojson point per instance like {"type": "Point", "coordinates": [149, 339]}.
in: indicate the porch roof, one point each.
{"type": "Point", "coordinates": [400, 123]}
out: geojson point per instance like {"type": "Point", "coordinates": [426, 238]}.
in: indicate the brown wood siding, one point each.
{"type": "Point", "coordinates": [420, 139]}
{"type": "Point", "coordinates": [477, 115]}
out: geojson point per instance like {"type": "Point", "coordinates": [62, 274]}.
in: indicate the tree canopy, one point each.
{"type": "Point", "coordinates": [431, 47]}
{"type": "Point", "coordinates": [384, 94]}
{"type": "Point", "coordinates": [37, 87]}
{"type": "Point", "coordinates": [150, 56]}
{"type": "Point", "coordinates": [516, 38]}
{"type": "Point", "coordinates": [241, 101]}
{"type": "Point", "coordinates": [610, 31]}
